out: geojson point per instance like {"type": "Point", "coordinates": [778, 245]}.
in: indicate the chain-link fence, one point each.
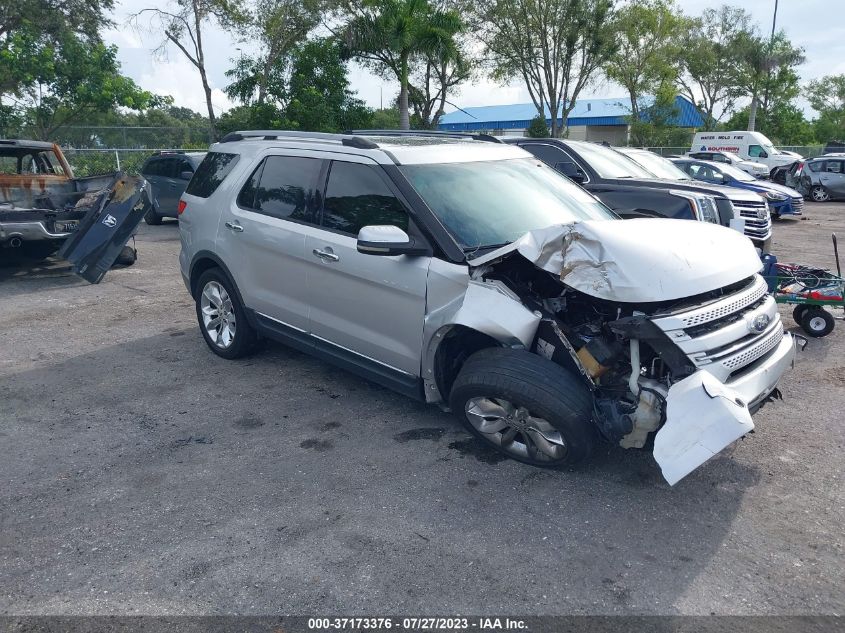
{"type": "Point", "coordinates": [194, 135]}
{"type": "Point", "coordinates": [90, 162]}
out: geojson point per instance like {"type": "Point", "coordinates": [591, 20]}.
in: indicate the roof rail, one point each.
{"type": "Point", "coordinates": [273, 135]}
{"type": "Point", "coordinates": [432, 133]}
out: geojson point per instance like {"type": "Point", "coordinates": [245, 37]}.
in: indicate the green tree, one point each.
{"type": "Point", "coordinates": [767, 73]}
{"type": "Point", "coordinates": [537, 128]}
{"type": "Point", "coordinates": [38, 24]}
{"type": "Point", "coordinates": [785, 124]}
{"type": "Point", "coordinates": [711, 61]}
{"type": "Point", "coordinates": [827, 96]}
{"type": "Point", "coordinates": [183, 25]}
{"type": "Point", "coordinates": [394, 35]}
{"type": "Point", "coordinates": [554, 46]}
{"type": "Point", "coordinates": [320, 97]}
{"type": "Point", "coordinates": [280, 26]}
{"type": "Point", "coordinates": [69, 80]}
{"type": "Point", "coordinates": [648, 35]}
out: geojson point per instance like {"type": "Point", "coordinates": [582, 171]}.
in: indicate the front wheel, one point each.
{"type": "Point", "coordinates": [525, 406]}
{"type": "Point", "coordinates": [221, 316]}
{"type": "Point", "coordinates": [819, 194]}
{"type": "Point", "coordinates": [817, 322]}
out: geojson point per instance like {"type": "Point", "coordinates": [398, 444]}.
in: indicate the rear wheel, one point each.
{"type": "Point", "coordinates": [817, 322]}
{"type": "Point", "coordinates": [525, 406]}
{"type": "Point", "coordinates": [221, 316]}
{"type": "Point", "coordinates": [819, 194]}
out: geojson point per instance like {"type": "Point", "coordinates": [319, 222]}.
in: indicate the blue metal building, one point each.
{"type": "Point", "coordinates": [590, 119]}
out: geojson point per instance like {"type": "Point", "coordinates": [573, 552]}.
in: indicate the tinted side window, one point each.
{"type": "Point", "coordinates": [153, 167]}
{"type": "Point", "coordinates": [356, 197]}
{"type": "Point", "coordinates": [547, 153]}
{"type": "Point", "coordinates": [211, 172]}
{"type": "Point", "coordinates": [834, 166]}
{"type": "Point", "coordinates": [184, 165]}
{"type": "Point", "coordinates": [286, 187]}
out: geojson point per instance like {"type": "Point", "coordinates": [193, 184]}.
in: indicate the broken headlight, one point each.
{"type": "Point", "coordinates": [703, 206]}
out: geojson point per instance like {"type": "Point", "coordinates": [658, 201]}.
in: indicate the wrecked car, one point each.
{"type": "Point", "coordinates": [472, 275]}
{"type": "Point", "coordinates": [44, 209]}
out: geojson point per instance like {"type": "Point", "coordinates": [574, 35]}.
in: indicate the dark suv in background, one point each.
{"type": "Point", "coordinates": [168, 173]}
{"type": "Point", "coordinates": [632, 190]}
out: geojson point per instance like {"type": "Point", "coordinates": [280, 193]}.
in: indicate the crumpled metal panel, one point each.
{"type": "Point", "coordinates": [112, 219]}
{"type": "Point", "coordinates": [703, 416]}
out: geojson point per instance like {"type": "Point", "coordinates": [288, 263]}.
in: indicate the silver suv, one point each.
{"type": "Point", "coordinates": [468, 273]}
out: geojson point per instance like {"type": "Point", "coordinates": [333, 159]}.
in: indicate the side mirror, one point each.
{"type": "Point", "coordinates": [186, 175]}
{"type": "Point", "coordinates": [725, 180]}
{"type": "Point", "coordinates": [387, 240]}
{"type": "Point", "coordinates": [572, 171]}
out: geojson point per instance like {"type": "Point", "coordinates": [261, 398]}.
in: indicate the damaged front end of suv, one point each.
{"type": "Point", "coordinates": [668, 325]}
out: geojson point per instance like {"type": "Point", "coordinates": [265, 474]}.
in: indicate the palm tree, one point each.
{"type": "Point", "coordinates": [391, 34]}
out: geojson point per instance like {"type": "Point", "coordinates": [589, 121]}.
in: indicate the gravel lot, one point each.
{"type": "Point", "coordinates": [139, 473]}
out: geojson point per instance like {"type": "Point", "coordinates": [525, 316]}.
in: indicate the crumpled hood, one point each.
{"type": "Point", "coordinates": [638, 261]}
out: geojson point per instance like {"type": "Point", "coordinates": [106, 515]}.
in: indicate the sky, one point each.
{"type": "Point", "coordinates": [816, 25]}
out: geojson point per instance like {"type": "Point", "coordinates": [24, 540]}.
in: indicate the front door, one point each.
{"type": "Point", "coordinates": [371, 305]}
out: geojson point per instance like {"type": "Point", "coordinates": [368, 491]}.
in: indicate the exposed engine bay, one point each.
{"type": "Point", "coordinates": [633, 356]}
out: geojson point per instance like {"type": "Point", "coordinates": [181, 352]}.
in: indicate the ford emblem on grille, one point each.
{"type": "Point", "coordinates": [760, 323]}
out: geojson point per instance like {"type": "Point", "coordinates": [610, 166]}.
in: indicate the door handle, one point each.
{"type": "Point", "coordinates": [325, 255]}
{"type": "Point", "coordinates": [234, 226]}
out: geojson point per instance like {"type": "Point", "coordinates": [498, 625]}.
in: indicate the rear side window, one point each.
{"type": "Point", "coordinates": [833, 167]}
{"type": "Point", "coordinates": [153, 167]}
{"type": "Point", "coordinates": [282, 187]}
{"type": "Point", "coordinates": [357, 197]}
{"type": "Point", "coordinates": [211, 172]}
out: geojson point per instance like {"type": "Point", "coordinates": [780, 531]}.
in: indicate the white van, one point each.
{"type": "Point", "coordinates": [748, 145]}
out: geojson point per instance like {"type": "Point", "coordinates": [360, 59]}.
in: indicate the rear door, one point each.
{"type": "Point", "coordinates": [371, 305]}
{"type": "Point", "coordinates": [833, 177]}
{"type": "Point", "coordinates": [262, 236]}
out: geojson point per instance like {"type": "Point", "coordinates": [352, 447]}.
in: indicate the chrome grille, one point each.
{"type": "Point", "coordinates": [756, 227]}
{"type": "Point", "coordinates": [719, 337]}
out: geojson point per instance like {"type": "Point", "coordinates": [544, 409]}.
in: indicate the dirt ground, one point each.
{"type": "Point", "coordinates": [139, 473]}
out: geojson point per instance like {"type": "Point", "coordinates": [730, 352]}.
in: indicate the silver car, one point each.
{"type": "Point", "coordinates": [823, 178]}
{"type": "Point", "coordinates": [468, 273]}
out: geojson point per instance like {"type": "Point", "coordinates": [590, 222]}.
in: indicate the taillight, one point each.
{"type": "Point", "coordinates": [181, 208]}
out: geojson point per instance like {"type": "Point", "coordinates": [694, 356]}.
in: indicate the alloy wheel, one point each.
{"type": "Point", "coordinates": [514, 429]}
{"type": "Point", "coordinates": [218, 315]}
{"type": "Point", "coordinates": [820, 194]}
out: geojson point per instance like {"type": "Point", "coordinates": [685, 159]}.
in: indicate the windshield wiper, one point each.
{"type": "Point", "coordinates": [472, 250]}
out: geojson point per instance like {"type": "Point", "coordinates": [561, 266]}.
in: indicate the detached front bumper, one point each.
{"type": "Point", "coordinates": [705, 415]}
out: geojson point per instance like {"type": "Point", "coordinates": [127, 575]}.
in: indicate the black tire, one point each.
{"type": "Point", "coordinates": [534, 385]}
{"type": "Point", "coordinates": [798, 313]}
{"type": "Point", "coordinates": [127, 257]}
{"type": "Point", "coordinates": [152, 217]}
{"type": "Point", "coordinates": [817, 322]}
{"type": "Point", "coordinates": [243, 341]}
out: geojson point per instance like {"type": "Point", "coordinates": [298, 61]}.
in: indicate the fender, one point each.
{"type": "Point", "coordinates": [194, 274]}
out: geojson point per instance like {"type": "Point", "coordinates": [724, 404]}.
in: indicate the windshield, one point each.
{"type": "Point", "coordinates": [736, 173]}
{"type": "Point", "coordinates": [492, 203]}
{"type": "Point", "coordinates": [657, 165]}
{"type": "Point", "coordinates": [609, 163]}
